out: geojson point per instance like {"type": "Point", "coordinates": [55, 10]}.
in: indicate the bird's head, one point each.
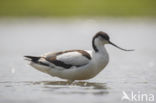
{"type": "Point", "coordinates": [102, 38]}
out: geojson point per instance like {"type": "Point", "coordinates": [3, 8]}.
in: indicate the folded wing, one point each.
{"type": "Point", "coordinates": [68, 59]}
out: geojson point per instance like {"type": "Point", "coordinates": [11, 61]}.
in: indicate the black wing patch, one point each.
{"type": "Point", "coordinates": [60, 63]}
{"type": "Point", "coordinates": [36, 60]}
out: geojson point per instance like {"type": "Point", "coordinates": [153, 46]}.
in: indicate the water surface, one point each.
{"type": "Point", "coordinates": [126, 71]}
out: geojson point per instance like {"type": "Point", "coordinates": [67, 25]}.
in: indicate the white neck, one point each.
{"type": "Point", "coordinates": [99, 46]}
{"type": "Point", "coordinates": [101, 56]}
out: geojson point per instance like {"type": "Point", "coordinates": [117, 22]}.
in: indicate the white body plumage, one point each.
{"type": "Point", "coordinates": [89, 70]}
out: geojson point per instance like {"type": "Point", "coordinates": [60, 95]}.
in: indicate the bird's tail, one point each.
{"type": "Point", "coordinates": [32, 58]}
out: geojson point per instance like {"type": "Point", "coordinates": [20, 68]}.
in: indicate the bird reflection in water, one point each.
{"type": "Point", "coordinates": [64, 87]}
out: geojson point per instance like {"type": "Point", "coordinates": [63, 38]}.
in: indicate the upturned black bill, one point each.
{"type": "Point", "coordinates": [119, 47]}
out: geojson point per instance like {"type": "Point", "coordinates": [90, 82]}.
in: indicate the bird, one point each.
{"type": "Point", "coordinates": [74, 65]}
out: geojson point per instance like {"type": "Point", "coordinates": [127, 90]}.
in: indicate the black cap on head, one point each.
{"type": "Point", "coordinates": [102, 35]}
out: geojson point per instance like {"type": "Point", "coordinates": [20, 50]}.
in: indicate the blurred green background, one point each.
{"type": "Point", "coordinates": [55, 8]}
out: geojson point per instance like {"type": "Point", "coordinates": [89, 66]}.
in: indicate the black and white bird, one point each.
{"type": "Point", "coordinates": [76, 64]}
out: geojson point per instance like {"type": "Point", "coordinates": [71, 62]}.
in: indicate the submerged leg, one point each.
{"type": "Point", "coordinates": [70, 81]}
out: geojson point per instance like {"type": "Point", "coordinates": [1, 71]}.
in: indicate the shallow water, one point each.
{"type": "Point", "coordinates": [126, 71]}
